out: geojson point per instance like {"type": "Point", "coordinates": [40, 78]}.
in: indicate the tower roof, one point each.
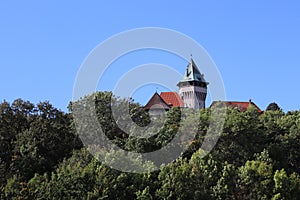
{"type": "Point", "coordinates": [192, 73]}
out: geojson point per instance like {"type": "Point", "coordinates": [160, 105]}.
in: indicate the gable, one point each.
{"type": "Point", "coordinates": [156, 102]}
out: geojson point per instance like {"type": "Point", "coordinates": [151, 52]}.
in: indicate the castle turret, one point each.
{"type": "Point", "coordinates": [193, 87]}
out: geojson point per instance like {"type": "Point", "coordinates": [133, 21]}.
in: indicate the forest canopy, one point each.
{"type": "Point", "coordinates": [42, 157]}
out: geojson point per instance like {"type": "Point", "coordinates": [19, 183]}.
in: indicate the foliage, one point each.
{"type": "Point", "coordinates": [41, 157]}
{"type": "Point", "coordinates": [273, 106]}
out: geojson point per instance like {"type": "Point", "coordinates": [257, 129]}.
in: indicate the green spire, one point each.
{"type": "Point", "coordinates": [192, 73]}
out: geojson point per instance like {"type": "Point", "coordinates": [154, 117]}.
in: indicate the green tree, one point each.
{"type": "Point", "coordinates": [286, 187]}
{"type": "Point", "coordinates": [144, 194]}
{"type": "Point", "coordinates": [46, 142]}
{"type": "Point", "coordinates": [284, 148]}
{"type": "Point", "coordinates": [255, 180]}
{"type": "Point", "coordinates": [177, 181]}
{"type": "Point", "coordinates": [273, 106]}
{"type": "Point", "coordinates": [226, 187]}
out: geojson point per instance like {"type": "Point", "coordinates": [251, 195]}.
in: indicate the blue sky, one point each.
{"type": "Point", "coordinates": [255, 45]}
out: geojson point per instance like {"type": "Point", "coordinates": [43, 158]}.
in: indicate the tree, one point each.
{"type": "Point", "coordinates": [144, 194]}
{"type": "Point", "coordinates": [226, 187]}
{"type": "Point", "coordinates": [177, 181]}
{"type": "Point", "coordinates": [273, 106]}
{"type": "Point", "coordinates": [284, 149]}
{"type": "Point", "coordinates": [286, 187]}
{"type": "Point", "coordinates": [255, 180]}
{"type": "Point", "coordinates": [41, 157]}
{"type": "Point", "coordinates": [241, 138]}
{"type": "Point", "coordinates": [33, 139]}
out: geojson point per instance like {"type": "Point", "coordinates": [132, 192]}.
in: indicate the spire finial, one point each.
{"type": "Point", "coordinates": [191, 56]}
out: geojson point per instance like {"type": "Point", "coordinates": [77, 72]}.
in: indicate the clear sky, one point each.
{"type": "Point", "coordinates": [255, 44]}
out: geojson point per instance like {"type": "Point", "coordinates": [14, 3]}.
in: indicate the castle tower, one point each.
{"type": "Point", "coordinates": [193, 87]}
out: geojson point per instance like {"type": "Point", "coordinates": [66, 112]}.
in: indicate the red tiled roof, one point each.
{"type": "Point", "coordinates": [156, 102]}
{"type": "Point", "coordinates": [241, 106]}
{"type": "Point", "coordinates": [172, 99]}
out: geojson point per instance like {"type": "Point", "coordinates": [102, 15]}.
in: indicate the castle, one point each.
{"type": "Point", "coordinates": [192, 94]}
